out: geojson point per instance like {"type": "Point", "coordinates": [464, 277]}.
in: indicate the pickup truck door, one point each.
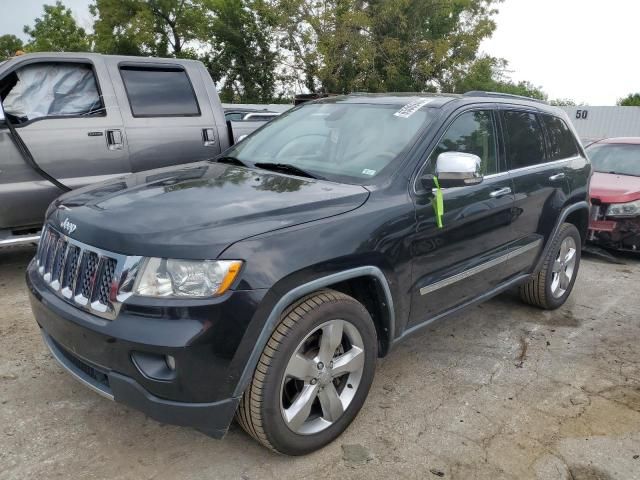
{"type": "Point", "coordinates": [464, 258]}
{"type": "Point", "coordinates": [166, 111]}
{"type": "Point", "coordinates": [65, 111]}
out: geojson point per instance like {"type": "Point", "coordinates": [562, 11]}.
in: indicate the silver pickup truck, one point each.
{"type": "Point", "coordinates": [71, 119]}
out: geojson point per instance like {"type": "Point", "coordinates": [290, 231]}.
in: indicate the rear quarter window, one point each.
{"type": "Point", "coordinates": [562, 143]}
{"type": "Point", "coordinates": [159, 92]}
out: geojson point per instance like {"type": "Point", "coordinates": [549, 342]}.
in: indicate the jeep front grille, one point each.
{"type": "Point", "coordinates": [87, 277]}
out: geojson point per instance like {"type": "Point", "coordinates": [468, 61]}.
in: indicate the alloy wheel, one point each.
{"type": "Point", "coordinates": [322, 377]}
{"type": "Point", "coordinates": [563, 267]}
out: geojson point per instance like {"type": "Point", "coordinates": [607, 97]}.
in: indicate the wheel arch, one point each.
{"type": "Point", "coordinates": [576, 214]}
{"type": "Point", "coordinates": [367, 284]}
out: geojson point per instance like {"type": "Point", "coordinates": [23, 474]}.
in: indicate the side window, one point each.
{"type": "Point", "coordinates": [525, 140]}
{"type": "Point", "coordinates": [561, 141]}
{"type": "Point", "coordinates": [159, 92]}
{"type": "Point", "coordinates": [472, 132]}
{"type": "Point", "coordinates": [233, 116]}
{"type": "Point", "coordinates": [41, 90]}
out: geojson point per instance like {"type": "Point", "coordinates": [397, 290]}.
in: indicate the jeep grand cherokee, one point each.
{"type": "Point", "coordinates": [264, 284]}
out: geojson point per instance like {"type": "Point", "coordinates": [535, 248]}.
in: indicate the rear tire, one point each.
{"type": "Point", "coordinates": [551, 287]}
{"type": "Point", "coordinates": [313, 375]}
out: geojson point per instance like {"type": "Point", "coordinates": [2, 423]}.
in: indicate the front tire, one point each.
{"type": "Point", "coordinates": [313, 376]}
{"type": "Point", "coordinates": [551, 287]}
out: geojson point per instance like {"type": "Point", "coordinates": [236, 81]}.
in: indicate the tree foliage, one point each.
{"type": "Point", "coordinates": [241, 54]}
{"type": "Point", "coordinates": [632, 100]}
{"type": "Point", "coordinates": [563, 102]}
{"type": "Point", "coordinates": [381, 45]}
{"type": "Point", "coordinates": [9, 45]}
{"type": "Point", "coordinates": [256, 50]}
{"type": "Point", "coordinates": [489, 74]}
{"type": "Point", "coordinates": [147, 27]}
{"type": "Point", "coordinates": [56, 31]}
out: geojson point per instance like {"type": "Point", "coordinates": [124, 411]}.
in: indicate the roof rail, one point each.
{"type": "Point", "coordinates": [482, 93]}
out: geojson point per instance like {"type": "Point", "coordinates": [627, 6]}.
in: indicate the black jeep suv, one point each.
{"type": "Point", "coordinates": [264, 283]}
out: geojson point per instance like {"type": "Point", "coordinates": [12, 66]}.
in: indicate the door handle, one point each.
{"type": "Point", "coordinates": [115, 140]}
{"type": "Point", "coordinates": [500, 193]}
{"type": "Point", "coordinates": [208, 137]}
{"type": "Point", "coordinates": [556, 177]}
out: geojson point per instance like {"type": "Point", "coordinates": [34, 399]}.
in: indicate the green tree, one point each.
{"type": "Point", "coordinates": [632, 100]}
{"type": "Point", "coordinates": [160, 28]}
{"type": "Point", "coordinates": [241, 56]}
{"type": "Point", "coordinates": [56, 31]}
{"type": "Point", "coordinates": [381, 45]}
{"type": "Point", "coordinates": [489, 74]}
{"type": "Point", "coordinates": [563, 102]}
{"type": "Point", "coordinates": [232, 37]}
{"type": "Point", "coordinates": [9, 45]}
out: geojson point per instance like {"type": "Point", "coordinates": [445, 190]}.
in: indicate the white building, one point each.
{"type": "Point", "coordinates": [595, 123]}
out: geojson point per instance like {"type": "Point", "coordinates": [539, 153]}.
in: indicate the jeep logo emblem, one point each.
{"type": "Point", "coordinates": [68, 227]}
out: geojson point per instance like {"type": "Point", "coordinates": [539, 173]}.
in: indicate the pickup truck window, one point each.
{"type": "Point", "coordinates": [348, 142]}
{"type": "Point", "coordinates": [51, 90]}
{"type": "Point", "coordinates": [472, 132]}
{"type": "Point", "coordinates": [159, 92]}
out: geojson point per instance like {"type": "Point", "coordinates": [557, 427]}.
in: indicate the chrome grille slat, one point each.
{"type": "Point", "coordinates": [84, 276]}
{"type": "Point", "coordinates": [49, 252]}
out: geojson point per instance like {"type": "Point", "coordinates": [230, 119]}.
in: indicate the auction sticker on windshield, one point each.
{"type": "Point", "coordinates": [411, 108]}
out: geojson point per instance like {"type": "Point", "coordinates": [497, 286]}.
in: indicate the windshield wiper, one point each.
{"type": "Point", "coordinates": [287, 168]}
{"type": "Point", "coordinates": [231, 161]}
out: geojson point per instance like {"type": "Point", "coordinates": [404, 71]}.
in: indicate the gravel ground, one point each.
{"type": "Point", "coordinates": [503, 391]}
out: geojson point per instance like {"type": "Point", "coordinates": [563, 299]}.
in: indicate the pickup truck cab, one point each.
{"type": "Point", "coordinates": [266, 283]}
{"type": "Point", "coordinates": [87, 118]}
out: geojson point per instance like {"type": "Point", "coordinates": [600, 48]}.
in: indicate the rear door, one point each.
{"type": "Point", "coordinates": [167, 116]}
{"type": "Point", "coordinates": [66, 113]}
{"type": "Point", "coordinates": [465, 258]}
{"type": "Point", "coordinates": [539, 178]}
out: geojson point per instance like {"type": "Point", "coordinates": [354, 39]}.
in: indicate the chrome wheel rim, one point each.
{"type": "Point", "coordinates": [564, 267]}
{"type": "Point", "coordinates": [322, 377]}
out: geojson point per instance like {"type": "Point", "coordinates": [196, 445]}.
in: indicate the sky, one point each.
{"type": "Point", "coordinates": [585, 50]}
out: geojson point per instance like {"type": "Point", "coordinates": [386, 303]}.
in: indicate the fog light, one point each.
{"type": "Point", "coordinates": [171, 362]}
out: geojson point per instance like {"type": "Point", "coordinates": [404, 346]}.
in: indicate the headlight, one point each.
{"type": "Point", "coordinates": [630, 209]}
{"type": "Point", "coordinates": [161, 277]}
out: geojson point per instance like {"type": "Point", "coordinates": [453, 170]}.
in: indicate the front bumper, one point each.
{"type": "Point", "coordinates": [112, 357]}
{"type": "Point", "coordinates": [619, 234]}
{"type": "Point", "coordinates": [210, 418]}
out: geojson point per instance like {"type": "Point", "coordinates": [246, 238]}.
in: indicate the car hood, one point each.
{"type": "Point", "coordinates": [197, 211]}
{"type": "Point", "coordinates": [614, 188]}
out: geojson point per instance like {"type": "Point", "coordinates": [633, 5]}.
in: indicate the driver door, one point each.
{"type": "Point", "coordinates": [463, 259]}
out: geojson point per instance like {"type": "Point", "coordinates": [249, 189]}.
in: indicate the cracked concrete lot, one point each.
{"type": "Point", "coordinates": [503, 391]}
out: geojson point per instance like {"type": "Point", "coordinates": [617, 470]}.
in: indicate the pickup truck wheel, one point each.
{"type": "Point", "coordinates": [313, 376]}
{"type": "Point", "coordinates": [551, 287]}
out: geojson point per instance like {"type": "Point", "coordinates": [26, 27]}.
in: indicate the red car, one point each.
{"type": "Point", "coordinates": [615, 193]}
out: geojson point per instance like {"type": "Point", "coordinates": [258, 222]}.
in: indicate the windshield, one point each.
{"type": "Point", "coordinates": [615, 158]}
{"type": "Point", "coordinates": [348, 142]}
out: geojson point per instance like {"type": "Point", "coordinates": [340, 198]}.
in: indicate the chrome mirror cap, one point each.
{"type": "Point", "coordinates": [458, 169]}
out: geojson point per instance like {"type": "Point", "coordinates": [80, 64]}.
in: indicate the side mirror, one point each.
{"type": "Point", "coordinates": [458, 169]}
{"type": "Point", "coordinates": [3, 119]}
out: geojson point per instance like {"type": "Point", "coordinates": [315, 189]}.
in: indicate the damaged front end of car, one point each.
{"type": "Point", "coordinates": [615, 226]}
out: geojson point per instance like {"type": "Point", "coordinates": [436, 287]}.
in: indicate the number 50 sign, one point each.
{"type": "Point", "coordinates": [582, 114]}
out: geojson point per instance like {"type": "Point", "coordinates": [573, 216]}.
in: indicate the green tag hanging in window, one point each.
{"type": "Point", "coordinates": [438, 203]}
